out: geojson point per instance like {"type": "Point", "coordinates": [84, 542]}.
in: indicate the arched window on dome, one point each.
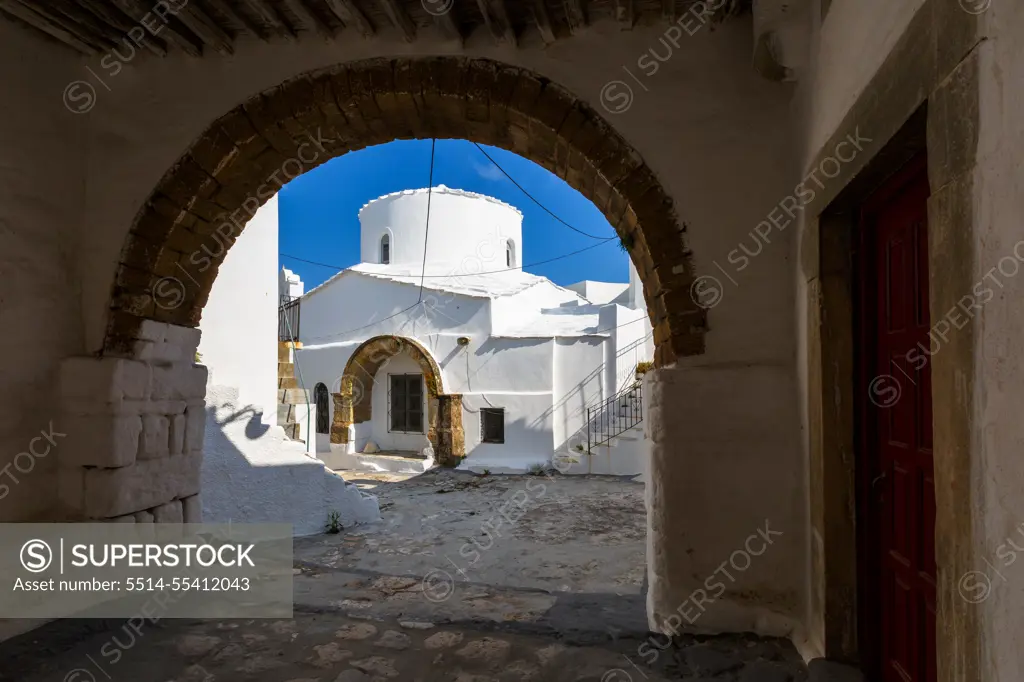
{"type": "Point", "coordinates": [385, 249]}
{"type": "Point", "coordinates": [510, 254]}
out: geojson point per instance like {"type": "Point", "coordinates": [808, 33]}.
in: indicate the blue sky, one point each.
{"type": "Point", "coordinates": [318, 210]}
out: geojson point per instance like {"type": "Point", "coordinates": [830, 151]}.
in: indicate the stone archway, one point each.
{"type": "Point", "coordinates": [353, 403]}
{"type": "Point", "coordinates": [181, 234]}
{"type": "Point", "coordinates": [155, 392]}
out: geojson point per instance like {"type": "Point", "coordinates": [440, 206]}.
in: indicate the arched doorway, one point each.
{"type": "Point", "coordinates": [353, 404]}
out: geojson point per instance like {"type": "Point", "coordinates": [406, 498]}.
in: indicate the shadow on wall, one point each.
{"type": "Point", "coordinates": [254, 428]}
{"type": "Point", "coordinates": [252, 473]}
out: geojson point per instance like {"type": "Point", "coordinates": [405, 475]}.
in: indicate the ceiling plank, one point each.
{"type": "Point", "coordinates": [351, 15]}
{"type": "Point", "coordinates": [543, 21]}
{"type": "Point", "coordinates": [575, 15]}
{"type": "Point", "coordinates": [100, 32]}
{"type": "Point", "coordinates": [624, 14]}
{"type": "Point", "coordinates": [48, 27]}
{"type": "Point", "coordinates": [447, 24]}
{"type": "Point", "coordinates": [142, 14]}
{"type": "Point", "coordinates": [227, 10]}
{"type": "Point", "coordinates": [47, 11]}
{"type": "Point", "coordinates": [311, 22]}
{"type": "Point", "coordinates": [398, 16]}
{"type": "Point", "coordinates": [270, 17]}
{"type": "Point", "coordinates": [119, 21]}
{"type": "Point", "coordinates": [496, 17]}
{"type": "Point", "coordinates": [206, 28]}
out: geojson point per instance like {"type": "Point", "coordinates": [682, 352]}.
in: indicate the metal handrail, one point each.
{"type": "Point", "coordinates": [616, 415]}
{"type": "Point", "coordinates": [288, 318]}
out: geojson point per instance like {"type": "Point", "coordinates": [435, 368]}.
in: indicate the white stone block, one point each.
{"type": "Point", "coordinates": [156, 438]}
{"type": "Point", "coordinates": [151, 330]}
{"type": "Point", "coordinates": [179, 382]}
{"type": "Point", "coordinates": [100, 441]}
{"type": "Point", "coordinates": [104, 380]}
{"type": "Point", "coordinates": [146, 484]}
{"type": "Point", "coordinates": [177, 433]}
{"type": "Point", "coordinates": [192, 509]}
{"type": "Point", "coordinates": [195, 425]}
{"type": "Point", "coordinates": [168, 513]}
{"type": "Point", "coordinates": [92, 407]}
{"type": "Point", "coordinates": [165, 407]}
{"type": "Point", "coordinates": [158, 354]}
{"type": "Point", "coordinates": [185, 338]}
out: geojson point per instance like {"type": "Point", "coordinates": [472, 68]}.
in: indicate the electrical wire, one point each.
{"type": "Point", "coordinates": [426, 230]}
{"type": "Point", "coordinates": [367, 326]}
{"type": "Point", "coordinates": [533, 199]}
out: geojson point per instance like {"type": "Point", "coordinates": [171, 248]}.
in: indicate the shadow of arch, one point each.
{"type": "Point", "coordinates": [182, 233]}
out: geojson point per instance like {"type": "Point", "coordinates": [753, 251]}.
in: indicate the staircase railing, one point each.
{"type": "Point", "coordinates": [615, 415]}
{"type": "Point", "coordinates": [288, 319]}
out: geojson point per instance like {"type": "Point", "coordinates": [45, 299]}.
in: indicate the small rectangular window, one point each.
{"type": "Point", "coordinates": [406, 403]}
{"type": "Point", "coordinates": [492, 424]}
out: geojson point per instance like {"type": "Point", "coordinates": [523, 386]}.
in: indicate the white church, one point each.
{"type": "Point", "coordinates": [438, 344]}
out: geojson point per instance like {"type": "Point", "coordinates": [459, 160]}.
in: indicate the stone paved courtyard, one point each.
{"type": "Point", "coordinates": [467, 579]}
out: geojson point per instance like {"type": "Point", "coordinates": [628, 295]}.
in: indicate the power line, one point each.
{"type": "Point", "coordinates": [426, 230]}
{"type": "Point", "coordinates": [464, 274]}
{"type": "Point", "coordinates": [533, 199]}
{"type": "Point", "coordinates": [366, 326]}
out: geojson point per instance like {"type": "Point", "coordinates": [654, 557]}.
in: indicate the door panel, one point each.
{"type": "Point", "coordinates": [897, 504]}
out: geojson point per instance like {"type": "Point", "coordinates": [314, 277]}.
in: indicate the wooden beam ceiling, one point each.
{"type": "Point", "coordinates": [198, 27]}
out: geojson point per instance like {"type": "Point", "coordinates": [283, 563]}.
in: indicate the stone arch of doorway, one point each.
{"type": "Point", "coordinates": [182, 233]}
{"type": "Point", "coordinates": [353, 403]}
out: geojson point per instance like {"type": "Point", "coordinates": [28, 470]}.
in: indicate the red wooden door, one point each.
{"type": "Point", "coordinates": [898, 486]}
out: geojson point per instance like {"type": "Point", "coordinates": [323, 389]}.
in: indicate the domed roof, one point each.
{"type": "Point", "coordinates": [440, 189]}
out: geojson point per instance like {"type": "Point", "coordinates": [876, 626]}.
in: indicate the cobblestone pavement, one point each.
{"type": "Point", "coordinates": [402, 600]}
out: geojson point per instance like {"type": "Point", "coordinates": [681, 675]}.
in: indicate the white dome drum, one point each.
{"type": "Point", "coordinates": [469, 232]}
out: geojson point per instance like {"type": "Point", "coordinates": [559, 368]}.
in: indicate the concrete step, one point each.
{"type": "Point", "coordinates": [403, 463]}
{"type": "Point", "coordinates": [292, 396]}
{"type": "Point", "coordinates": [285, 369]}
{"type": "Point", "coordinates": [284, 353]}
{"type": "Point", "coordinates": [285, 414]}
{"type": "Point", "coordinates": [291, 430]}
{"type": "Point", "coordinates": [287, 382]}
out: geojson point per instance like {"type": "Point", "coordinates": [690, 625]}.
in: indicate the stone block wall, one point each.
{"type": "Point", "coordinates": [451, 437]}
{"type": "Point", "coordinates": [135, 425]}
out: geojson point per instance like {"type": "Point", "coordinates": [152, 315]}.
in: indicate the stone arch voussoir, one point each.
{"type": "Point", "coordinates": [353, 403]}
{"type": "Point", "coordinates": [180, 236]}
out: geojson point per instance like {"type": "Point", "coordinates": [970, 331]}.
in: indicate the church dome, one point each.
{"type": "Point", "coordinates": [469, 232]}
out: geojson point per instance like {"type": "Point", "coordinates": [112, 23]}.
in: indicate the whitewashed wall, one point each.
{"type": "Point", "coordinates": [356, 306]}
{"type": "Point", "coordinates": [239, 343]}
{"type": "Point", "coordinates": [580, 381]}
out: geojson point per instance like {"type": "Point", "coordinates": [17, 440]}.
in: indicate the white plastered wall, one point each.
{"type": "Point", "coordinates": [239, 343]}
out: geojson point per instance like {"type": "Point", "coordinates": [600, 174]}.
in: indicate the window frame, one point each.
{"type": "Point", "coordinates": [499, 411]}
{"type": "Point", "coordinates": [323, 416]}
{"type": "Point", "coordinates": [405, 380]}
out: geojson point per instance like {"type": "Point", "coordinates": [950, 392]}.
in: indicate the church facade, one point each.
{"type": "Point", "coordinates": [438, 344]}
